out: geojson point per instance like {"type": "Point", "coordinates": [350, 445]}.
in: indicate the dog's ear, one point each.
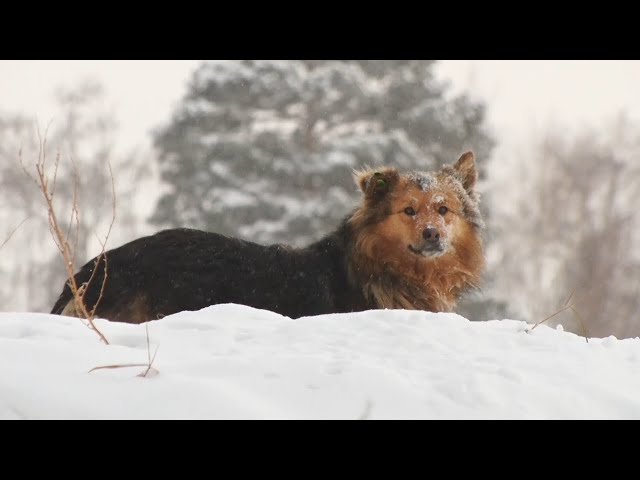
{"type": "Point", "coordinates": [466, 172]}
{"type": "Point", "coordinates": [376, 183]}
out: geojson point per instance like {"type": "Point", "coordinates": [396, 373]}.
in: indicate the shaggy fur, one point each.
{"type": "Point", "coordinates": [413, 243]}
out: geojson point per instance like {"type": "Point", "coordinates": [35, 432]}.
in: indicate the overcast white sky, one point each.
{"type": "Point", "coordinates": [521, 95]}
{"type": "Point", "coordinates": [526, 95]}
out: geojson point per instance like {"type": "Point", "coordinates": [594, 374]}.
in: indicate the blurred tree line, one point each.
{"type": "Point", "coordinates": [565, 224]}
{"type": "Point", "coordinates": [265, 150]}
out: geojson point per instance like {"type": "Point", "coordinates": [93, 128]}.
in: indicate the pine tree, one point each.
{"type": "Point", "coordinates": [264, 150]}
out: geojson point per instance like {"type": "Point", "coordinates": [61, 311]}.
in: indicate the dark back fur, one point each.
{"type": "Point", "coordinates": [185, 269]}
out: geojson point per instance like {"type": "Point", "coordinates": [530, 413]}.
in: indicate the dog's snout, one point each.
{"type": "Point", "coordinates": [431, 235]}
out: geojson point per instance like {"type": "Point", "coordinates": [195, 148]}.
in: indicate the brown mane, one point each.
{"type": "Point", "coordinates": [434, 286]}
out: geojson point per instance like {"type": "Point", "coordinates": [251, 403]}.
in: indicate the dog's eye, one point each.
{"type": "Point", "coordinates": [442, 210]}
{"type": "Point", "coordinates": [410, 211]}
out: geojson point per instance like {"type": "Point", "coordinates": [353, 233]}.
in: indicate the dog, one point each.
{"type": "Point", "coordinates": [414, 242]}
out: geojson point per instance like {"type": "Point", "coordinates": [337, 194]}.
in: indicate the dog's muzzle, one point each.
{"type": "Point", "coordinates": [432, 245]}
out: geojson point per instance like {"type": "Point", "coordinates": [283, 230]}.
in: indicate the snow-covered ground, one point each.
{"type": "Point", "coordinates": [235, 362]}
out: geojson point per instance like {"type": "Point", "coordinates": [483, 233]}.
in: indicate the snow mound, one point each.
{"type": "Point", "coordinates": [236, 362]}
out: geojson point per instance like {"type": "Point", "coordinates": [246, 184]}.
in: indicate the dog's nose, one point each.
{"type": "Point", "coordinates": [431, 235]}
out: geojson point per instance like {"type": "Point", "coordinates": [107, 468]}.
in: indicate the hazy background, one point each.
{"type": "Point", "coordinates": [213, 146]}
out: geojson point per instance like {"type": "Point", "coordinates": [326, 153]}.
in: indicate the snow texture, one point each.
{"type": "Point", "coordinates": [426, 181]}
{"type": "Point", "coordinates": [236, 362]}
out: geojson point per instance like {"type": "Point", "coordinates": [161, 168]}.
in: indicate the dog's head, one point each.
{"type": "Point", "coordinates": [422, 216]}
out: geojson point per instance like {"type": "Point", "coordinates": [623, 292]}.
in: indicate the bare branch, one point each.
{"type": "Point", "coordinates": [124, 365]}
{"type": "Point", "coordinates": [75, 211]}
{"type": "Point", "coordinates": [6, 240]}
{"type": "Point", "coordinates": [570, 297]}
{"type": "Point", "coordinates": [24, 168]}
{"type": "Point", "coordinates": [149, 364]}
{"type": "Point", "coordinates": [62, 240]}
{"type": "Point", "coordinates": [113, 195]}
{"type": "Point", "coordinates": [104, 282]}
{"type": "Point", "coordinates": [104, 244]}
{"type": "Point", "coordinates": [149, 357]}
{"type": "Point", "coordinates": [584, 330]}
{"type": "Point", "coordinates": [566, 307]}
